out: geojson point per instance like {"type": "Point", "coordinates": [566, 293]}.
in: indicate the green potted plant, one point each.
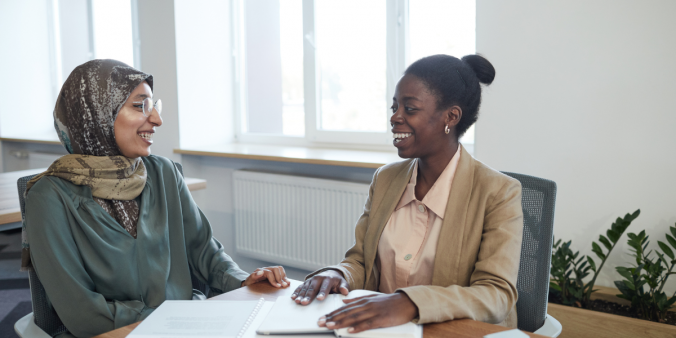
{"type": "Point", "coordinates": [568, 271]}
{"type": "Point", "coordinates": [643, 283]}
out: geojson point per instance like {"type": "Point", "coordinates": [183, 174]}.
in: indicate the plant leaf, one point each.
{"type": "Point", "coordinates": [592, 264]}
{"type": "Point", "coordinates": [597, 250]}
{"type": "Point", "coordinates": [554, 286]}
{"type": "Point", "coordinates": [606, 242]}
{"type": "Point", "coordinates": [671, 241]}
{"type": "Point", "coordinates": [634, 215]}
{"type": "Point", "coordinates": [665, 248]}
{"type": "Point", "coordinates": [613, 235]}
{"type": "Point", "coordinates": [624, 272]}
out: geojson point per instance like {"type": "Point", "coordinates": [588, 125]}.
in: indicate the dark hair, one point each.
{"type": "Point", "coordinates": [455, 82]}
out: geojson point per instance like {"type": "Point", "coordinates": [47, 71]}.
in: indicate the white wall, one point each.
{"type": "Point", "coordinates": [585, 96]}
{"type": "Point", "coordinates": [158, 57]}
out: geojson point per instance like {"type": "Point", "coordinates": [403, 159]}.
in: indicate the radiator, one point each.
{"type": "Point", "coordinates": [303, 222]}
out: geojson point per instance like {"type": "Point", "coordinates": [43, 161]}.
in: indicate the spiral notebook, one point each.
{"type": "Point", "coordinates": [204, 319]}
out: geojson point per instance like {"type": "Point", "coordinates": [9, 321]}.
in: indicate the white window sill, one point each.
{"type": "Point", "coordinates": [296, 154]}
{"type": "Point", "coordinates": [44, 138]}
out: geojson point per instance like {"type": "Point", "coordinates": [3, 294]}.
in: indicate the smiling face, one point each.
{"type": "Point", "coordinates": [417, 125]}
{"type": "Point", "coordinates": [133, 130]}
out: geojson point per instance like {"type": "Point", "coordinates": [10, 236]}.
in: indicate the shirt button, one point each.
{"type": "Point", "coordinates": [421, 208]}
{"type": "Point", "coordinates": [407, 257]}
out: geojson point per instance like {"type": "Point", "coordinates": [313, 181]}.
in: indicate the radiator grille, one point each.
{"type": "Point", "coordinates": [303, 222]}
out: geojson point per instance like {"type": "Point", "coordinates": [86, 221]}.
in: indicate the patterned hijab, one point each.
{"type": "Point", "coordinates": [84, 119]}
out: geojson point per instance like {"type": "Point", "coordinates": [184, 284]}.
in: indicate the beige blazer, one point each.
{"type": "Point", "coordinates": [477, 256]}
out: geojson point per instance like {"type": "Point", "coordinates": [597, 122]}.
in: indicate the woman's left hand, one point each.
{"type": "Point", "coordinates": [274, 274]}
{"type": "Point", "coordinates": [371, 312]}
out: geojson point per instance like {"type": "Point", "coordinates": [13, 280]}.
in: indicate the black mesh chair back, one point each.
{"type": "Point", "coordinates": [44, 315]}
{"type": "Point", "coordinates": [537, 201]}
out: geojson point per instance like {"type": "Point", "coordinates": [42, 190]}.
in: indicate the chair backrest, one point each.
{"type": "Point", "coordinates": [538, 198]}
{"type": "Point", "coordinates": [44, 315]}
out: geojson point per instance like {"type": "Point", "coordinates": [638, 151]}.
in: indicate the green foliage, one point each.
{"type": "Point", "coordinates": [651, 272]}
{"type": "Point", "coordinates": [569, 270]}
{"type": "Point", "coordinates": [564, 264]}
{"type": "Point", "coordinates": [613, 236]}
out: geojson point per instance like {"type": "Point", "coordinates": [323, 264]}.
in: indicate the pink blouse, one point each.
{"type": "Point", "coordinates": [408, 244]}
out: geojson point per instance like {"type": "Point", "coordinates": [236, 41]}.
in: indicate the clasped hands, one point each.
{"type": "Point", "coordinates": [359, 314]}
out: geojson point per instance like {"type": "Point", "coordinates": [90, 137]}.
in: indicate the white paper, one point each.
{"type": "Point", "coordinates": [189, 318]}
{"type": "Point", "coordinates": [287, 317]}
{"type": "Point", "coordinates": [507, 334]}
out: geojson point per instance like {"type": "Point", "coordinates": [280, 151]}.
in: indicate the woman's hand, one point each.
{"type": "Point", "coordinates": [330, 281]}
{"type": "Point", "coordinates": [371, 312]}
{"type": "Point", "coordinates": [274, 274]}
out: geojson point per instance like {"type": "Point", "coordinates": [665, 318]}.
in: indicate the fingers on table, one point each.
{"type": "Point", "coordinates": [261, 274]}
{"type": "Point", "coordinates": [343, 288]}
{"type": "Point", "coordinates": [308, 291]}
{"type": "Point", "coordinates": [299, 294]}
{"type": "Point", "coordinates": [280, 275]}
{"type": "Point", "coordinates": [324, 289]}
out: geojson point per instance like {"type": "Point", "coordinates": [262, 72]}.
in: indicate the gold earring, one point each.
{"type": "Point", "coordinates": [447, 130]}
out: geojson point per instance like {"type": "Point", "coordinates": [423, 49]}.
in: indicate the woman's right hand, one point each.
{"type": "Point", "coordinates": [329, 281]}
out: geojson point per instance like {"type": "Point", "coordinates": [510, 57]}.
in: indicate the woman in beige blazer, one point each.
{"type": "Point", "coordinates": [476, 259]}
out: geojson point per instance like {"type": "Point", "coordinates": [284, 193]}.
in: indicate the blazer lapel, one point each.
{"type": "Point", "coordinates": [381, 214]}
{"type": "Point", "coordinates": [449, 247]}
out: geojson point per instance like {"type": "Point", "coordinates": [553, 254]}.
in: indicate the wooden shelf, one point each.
{"type": "Point", "coordinates": [335, 157]}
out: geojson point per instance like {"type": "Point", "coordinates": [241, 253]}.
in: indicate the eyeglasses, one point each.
{"type": "Point", "coordinates": [147, 106]}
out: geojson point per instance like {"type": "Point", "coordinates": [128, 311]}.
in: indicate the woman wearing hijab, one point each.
{"type": "Point", "coordinates": [441, 232]}
{"type": "Point", "coordinates": [113, 230]}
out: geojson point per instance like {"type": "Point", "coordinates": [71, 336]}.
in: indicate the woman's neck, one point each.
{"type": "Point", "coordinates": [431, 167]}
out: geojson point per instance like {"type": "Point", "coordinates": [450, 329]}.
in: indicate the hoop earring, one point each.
{"type": "Point", "coordinates": [447, 130]}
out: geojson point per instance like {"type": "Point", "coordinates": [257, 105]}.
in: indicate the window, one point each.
{"type": "Point", "coordinates": [352, 60]}
{"type": "Point", "coordinates": [112, 30]}
{"type": "Point", "coordinates": [324, 72]}
{"type": "Point", "coordinates": [48, 40]}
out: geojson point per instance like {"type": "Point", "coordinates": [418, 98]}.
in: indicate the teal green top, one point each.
{"type": "Point", "coordinates": [97, 276]}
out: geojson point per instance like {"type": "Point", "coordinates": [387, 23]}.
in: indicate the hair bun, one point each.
{"type": "Point", "coordinates": [482, 68]}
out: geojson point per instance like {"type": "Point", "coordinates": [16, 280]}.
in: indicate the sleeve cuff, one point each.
{"type": "Point", "coordinates": [232, 279]}
{"type": "Point", "coordinates": [342, 270]}
{"type": "Point", "coordinates": [419, 295]}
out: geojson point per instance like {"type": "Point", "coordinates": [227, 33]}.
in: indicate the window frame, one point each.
{"type": "Point", "coordinates": [397, 42]}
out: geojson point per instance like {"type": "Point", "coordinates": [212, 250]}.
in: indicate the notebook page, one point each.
{"type": "Point", "coordinates": [188, 318]}
{"type": "Point", "coordinates": [287, 317]}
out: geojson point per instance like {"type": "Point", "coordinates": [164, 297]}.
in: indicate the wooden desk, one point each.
{"type": "Point", "coordinates": [10, 211]}
{"type": "Point", "coordinates": [463, 328]}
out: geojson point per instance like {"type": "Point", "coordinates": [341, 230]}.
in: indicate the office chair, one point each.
{"type": "Point", "coordinates": [538, 198]}
{"type": "Point", "coordinates": [43, 322]}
